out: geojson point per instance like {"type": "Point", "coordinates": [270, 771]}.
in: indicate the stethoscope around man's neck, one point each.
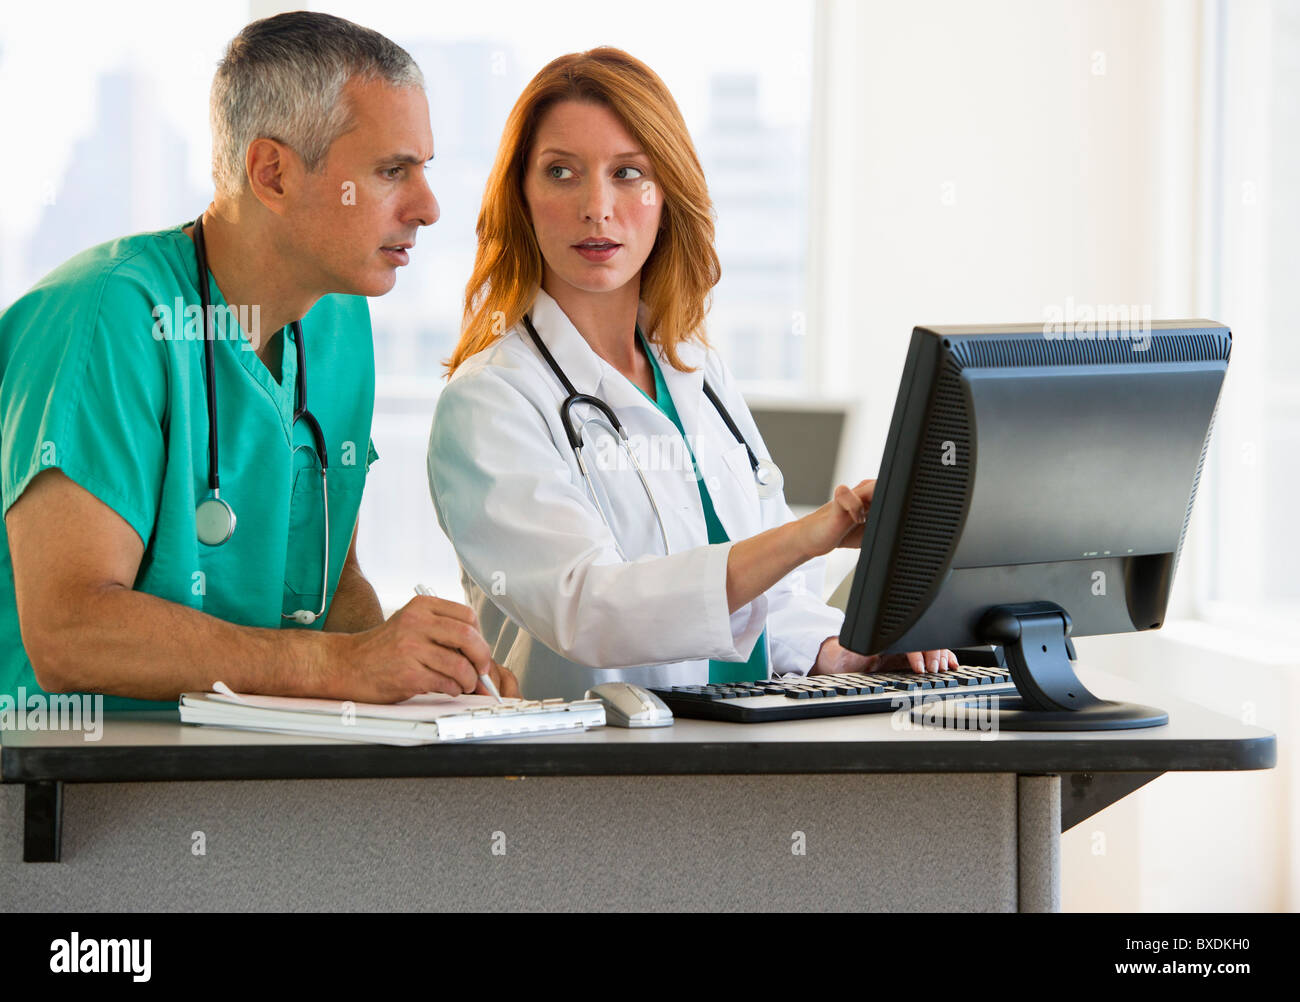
{"type": "Point", "coordinates": [214, 519]}
{"type": "Point", "coordinates": [768, 479]}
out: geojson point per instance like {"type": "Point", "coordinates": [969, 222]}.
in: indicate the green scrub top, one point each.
{"type": "Point", "coordinates": [719, 671]}
{"type": "Point", "coordinates": [102, 376]}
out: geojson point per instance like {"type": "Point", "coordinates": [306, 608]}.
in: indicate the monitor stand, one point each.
{"type": "Point", "coordinates": [1034, 637]}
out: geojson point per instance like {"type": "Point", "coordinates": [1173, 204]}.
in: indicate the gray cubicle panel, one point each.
{"type": "Point", "coordinates": [805, 442]}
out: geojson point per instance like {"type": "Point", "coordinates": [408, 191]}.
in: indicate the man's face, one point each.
{"type": "Point", "coordinates": [370, 195]}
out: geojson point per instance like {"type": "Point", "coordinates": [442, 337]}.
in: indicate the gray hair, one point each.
{"type": "Point", "coordinates": [282, 78]}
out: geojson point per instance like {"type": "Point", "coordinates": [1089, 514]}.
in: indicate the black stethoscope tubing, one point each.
{"type": "Point", "coordinates": [575, 434]}
{"type": "Point", "coordinates": [221, 526]}
{"type": "Point", "coordinates": [300, 411]}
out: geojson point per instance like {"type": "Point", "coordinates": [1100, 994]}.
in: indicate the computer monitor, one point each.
{"type": "Point", "coordinates": [1036, 486]}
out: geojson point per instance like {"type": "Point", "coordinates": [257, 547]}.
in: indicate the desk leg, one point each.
{"type": "Point", "coordinates": [43, 822]}
{"type": "Point", "coordinates": [1038, 839]}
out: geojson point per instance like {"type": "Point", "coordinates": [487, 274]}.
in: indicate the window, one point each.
{"type": "Point", "coordinates": [117, 140]}
{"type": "Point", "coordinates": [1250, 255]}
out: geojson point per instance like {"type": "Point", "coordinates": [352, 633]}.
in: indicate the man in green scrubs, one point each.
{"type": "Point", "coordinates": [321, 131]}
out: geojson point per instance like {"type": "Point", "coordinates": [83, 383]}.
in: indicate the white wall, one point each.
{"type": "Point", "coordinates": [983, 161]}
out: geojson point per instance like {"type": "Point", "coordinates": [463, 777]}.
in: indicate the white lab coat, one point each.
{"type": "Point", "coordinates": [556, 602]}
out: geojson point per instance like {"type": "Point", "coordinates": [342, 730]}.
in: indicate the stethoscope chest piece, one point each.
{"type": "Point", "coordinates": [214, 520]}
{"type": "Point", "coordinates": [768, 479]}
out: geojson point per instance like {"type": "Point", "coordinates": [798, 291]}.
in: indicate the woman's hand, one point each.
{"type": "Point", "coordinates": [838, 522]}
{"type": "Point", "coordinates": [755, 564]}
{"type": "Point", "coordinates": [832, 659]}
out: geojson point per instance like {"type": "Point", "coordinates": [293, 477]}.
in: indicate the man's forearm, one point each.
{"type": "Point", "coordinates": [355, 606]}
{"type": "Point", "coordinates": [129, 643]}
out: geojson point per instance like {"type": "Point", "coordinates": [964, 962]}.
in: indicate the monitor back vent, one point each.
{"type": "Point", "coordinates": [1167, 346]}
{"type": "Point", "coordinates": [937, 506]}
{"type": "Point", "coordinates": [1196, 482]}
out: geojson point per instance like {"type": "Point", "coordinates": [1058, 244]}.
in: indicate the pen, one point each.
{"type": "Point", "coordinates": [486, 679]}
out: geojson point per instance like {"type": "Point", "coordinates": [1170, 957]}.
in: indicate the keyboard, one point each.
{"type": "Point", "coordinates": [830, 695]}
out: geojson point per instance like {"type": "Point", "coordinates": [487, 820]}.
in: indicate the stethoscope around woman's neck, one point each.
{"type": "Point", "coordinates": [768, 479]}
{"type": "Point", "coordinates": [214, 519]}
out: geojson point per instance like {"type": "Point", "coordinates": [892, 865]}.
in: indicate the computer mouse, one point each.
{"type": "Point", "coordinates": [628, 705]}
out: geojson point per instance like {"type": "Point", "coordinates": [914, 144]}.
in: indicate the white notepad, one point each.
{"type": "Point", "coordinates": [427, 719]}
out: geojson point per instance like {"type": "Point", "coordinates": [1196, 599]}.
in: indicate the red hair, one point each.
{"type": "Point", "coordinates": [682, 269]}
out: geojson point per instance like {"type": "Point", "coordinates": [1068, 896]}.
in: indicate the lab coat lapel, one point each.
{"type": "Point", "coordinates": [686, 388]}
{"type": "Point", "coordinates": [676, 496]}
{"type": "Point", "coordinates": [733, 498]}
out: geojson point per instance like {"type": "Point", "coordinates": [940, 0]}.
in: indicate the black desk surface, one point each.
{"type": "Point", "coordinates": [156, 746]}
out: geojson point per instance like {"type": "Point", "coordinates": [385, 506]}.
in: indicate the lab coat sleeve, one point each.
{"type": "Point", "coordinates": [527, 533]}
{"type": "Point", "coordinates": [798, 622]}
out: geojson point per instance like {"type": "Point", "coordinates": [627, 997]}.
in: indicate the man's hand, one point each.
{"type": "Point", "coordinates": [832, 659]}
{"type": "Point", "coordinates": [428, 645]}
{"type": "Point", "coordinates": [505, 681]}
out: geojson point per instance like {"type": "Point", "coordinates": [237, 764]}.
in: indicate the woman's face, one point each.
{"type": "Point", "coordinates": [593, 198]}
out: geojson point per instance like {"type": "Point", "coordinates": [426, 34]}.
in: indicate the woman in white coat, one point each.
{"type": "Point", "coordinates": [596, 248]}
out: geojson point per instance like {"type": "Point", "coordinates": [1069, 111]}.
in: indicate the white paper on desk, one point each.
{"type": "Point", "coordinates": [429, 706]}
{"type": "Point", "coordinates": [232, 711]}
